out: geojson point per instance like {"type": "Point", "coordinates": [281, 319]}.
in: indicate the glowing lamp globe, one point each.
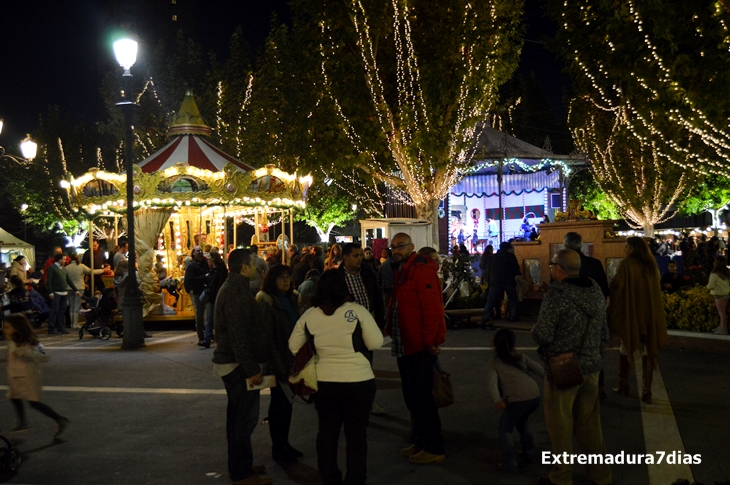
{"type": "Point", "coordinates": [28, 148]}
{"type": "Point", "coordinates": [125, 50]}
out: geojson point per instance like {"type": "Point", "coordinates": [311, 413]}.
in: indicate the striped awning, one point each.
{"type": "Point", "coordinates": [193, 150]}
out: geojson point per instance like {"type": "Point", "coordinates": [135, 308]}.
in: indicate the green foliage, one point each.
{"type": "Point", "coordinates": [711, 193]}
{"type": "Point", "coordinates": [691, 309]}
{"type": "Point", "coordinates": [583, 187]}
{"type": "Point", "coordinates": [326, 208]}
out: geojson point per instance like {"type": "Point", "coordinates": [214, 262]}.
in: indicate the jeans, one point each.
{"type": "Point", "coordinates": [242, 416]}
{"type": "Point", "coordinates": [348, 404]}
{"type": "Point", "coordinates": [209, 324]}
{"type": "Point", "coordinates": [280, 411]}
{"type": "Point", "coordinates": [56, 318]}
{"type": "Point", "coordinates": [575, 411]}
{"type": "Point", "coordinates": [416, 374]}
{"type": "Point", "coordinates": [74, 303]}
{"type": "Point", "coordinates": [516, 415]}
{"type": "Point", "coordinates": [496, 292]}
{"type": "Point", "coordinates": [199, 315]}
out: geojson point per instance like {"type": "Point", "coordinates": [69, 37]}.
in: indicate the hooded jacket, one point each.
{"type": "Point", "coordinates": [17, 269]}
{"type": "Point", "coordinates": [570, 305]}
{"type": "Point", "coordinates": [420, 304]}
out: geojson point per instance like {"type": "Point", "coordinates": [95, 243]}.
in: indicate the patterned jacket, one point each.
{"type": "Point", "coordinates": [568, 306]}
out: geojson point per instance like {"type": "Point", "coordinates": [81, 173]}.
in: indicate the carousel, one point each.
{"type": "Point", "coordinates": [187, 194]}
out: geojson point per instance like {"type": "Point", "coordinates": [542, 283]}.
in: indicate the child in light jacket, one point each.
{"type": "Point", "coordinates": [515, 392]}
{"type": "Point", "coordinates": [24, 375]}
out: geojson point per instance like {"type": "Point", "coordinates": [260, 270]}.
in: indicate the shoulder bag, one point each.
{"type": "Point", "coordinates": [565, 368]}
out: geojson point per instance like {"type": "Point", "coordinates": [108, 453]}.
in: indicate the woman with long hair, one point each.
{"type": "Point", "coordinates": [279, 307]}
{"type": "Point", "coordinates": [343, 334]}
{"type": "Point", "coordinates": [519, 396]}
{"type": "Point", "coordinates": [24, 374]}
{"type": "Point", "coordinates": [636, 313]}
{"type": "Point", "coordinates": [719, 288]}
{"type": "Point", "coordinates": [334, 257]}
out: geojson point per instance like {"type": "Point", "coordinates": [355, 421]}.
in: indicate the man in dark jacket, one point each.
{"type": "Point", "coordinates": [589, 267]}
{"type": "Point", "coordinates": [502, 274]}
{"type": "Point", "coordinates": [417, 326]}
{"type": "Point", "coordinates": [242, 346]}
{"type": "Point", "coordinates": [363, 286]}
{"type": "Point", "coordinates": [196, 276]}
{"type": "Point", "coordinates": [573, 307]}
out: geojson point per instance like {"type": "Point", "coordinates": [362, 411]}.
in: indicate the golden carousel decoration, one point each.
{"type": "Point", "coordinates": [183, 196]}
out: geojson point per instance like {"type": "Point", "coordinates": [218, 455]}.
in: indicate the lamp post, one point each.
{"type": "Point", "coordinates": [28, 148]}
{"type": "Point", "coordinates": [125, 51]}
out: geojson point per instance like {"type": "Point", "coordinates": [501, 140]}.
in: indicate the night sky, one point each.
{"type": "Point", "coordinates": [56, 52]}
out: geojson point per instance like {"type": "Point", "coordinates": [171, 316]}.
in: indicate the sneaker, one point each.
{"type": "Point", "coordinates": [62, 425]}
{"type": "Point", "coordinates": [719, 331]}
{"type": "Point", "coordinates": [376, 410]}
{"type": "Point", "coordinates": [23, 426]}
{"type": "Point", "coordinates": [423, 457]}
{"type": "Point", "coordinates": [410, 451]}
{"type": "Point", "coordinates": [253, 480]}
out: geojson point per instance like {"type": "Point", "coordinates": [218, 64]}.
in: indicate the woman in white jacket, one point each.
{"type": "Point", "coordinates": [718, 286]}
{"type": "Point", "coordinates": [76, 271]}
{"type": "Point", "coordinates": [343, 334]}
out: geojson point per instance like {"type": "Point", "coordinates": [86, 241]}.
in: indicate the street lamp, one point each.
{"type": "Point", "coordinates": [28, 148]}
{"type": "Point", "coordinates": [125, 51]}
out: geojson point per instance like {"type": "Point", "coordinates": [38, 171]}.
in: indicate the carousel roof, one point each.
{"type": "Point", "coordinates": [188, 146]}
{"type": "Point", "coordinates": [193, 150]}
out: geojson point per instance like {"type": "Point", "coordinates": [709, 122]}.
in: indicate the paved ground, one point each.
{"type": "Point", "coordinates": [157, 415]}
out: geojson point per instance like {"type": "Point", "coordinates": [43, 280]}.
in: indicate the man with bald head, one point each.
{"type": "Point", "coordinates": [573, 319]}
{"type": "Point", "coordinates": [415, 321]}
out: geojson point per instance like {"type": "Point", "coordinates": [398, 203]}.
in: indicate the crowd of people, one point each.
{"type": "Point", "coordinates": [261, 312]}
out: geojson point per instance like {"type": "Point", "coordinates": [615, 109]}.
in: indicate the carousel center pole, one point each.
{"type": "Point", "coordinates": [132, 307]}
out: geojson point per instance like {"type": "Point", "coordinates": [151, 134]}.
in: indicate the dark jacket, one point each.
{"type": "Point", "coordinates": [593, 269]}
{"type": "Point", "coordinates": [280, 327]}
{"type": "Point", "coordinates": [567, 308]}
{"type": "Point", "coordinates": [240, 334]}
{"type": "Point", "coordinates": [299, 272]}
{"type": "Point", "coordinates": [375, 294]}
{"type": "Point", "coordinates": [504, 269]}
{"type": "Point", "coordinates": [196, 276]}
{"type": "Point", "coordinates": [216, 278]}
{"type": "Point", "coordinates": [420, 304]}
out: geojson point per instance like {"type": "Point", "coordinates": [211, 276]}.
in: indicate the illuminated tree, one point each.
{"type": "Point", "coordinates": [632, 173]}
{"type": "Point", "coordinates": [326, 208]}
{"type": "Point", "coordinates": [712, 194]}
{"type": "Point", "coordinates": [663, 63]}
{"type": "Point", "coordinates": [409, 82]}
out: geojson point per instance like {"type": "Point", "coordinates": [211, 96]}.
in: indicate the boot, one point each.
{"type": "Point", "coordinates": [647, 364]}
{"type": "Point", "coordinates": [623, 375]}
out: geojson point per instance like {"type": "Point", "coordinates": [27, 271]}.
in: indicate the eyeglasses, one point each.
{"type": "Point", "coordinates": [400, 246]}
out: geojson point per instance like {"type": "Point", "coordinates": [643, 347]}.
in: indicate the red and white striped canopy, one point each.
{"type": "Point", "coordinates": [195, 151]}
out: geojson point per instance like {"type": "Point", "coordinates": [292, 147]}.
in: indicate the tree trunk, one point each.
{"type": "Point", "coordinates": [324, 236]}
{"type": "Point", "coordinates": [715, 220]}
{"type": "Point", "coordinates": [429, 211]}
{"type": "Point", "coordinates": [648, 229]}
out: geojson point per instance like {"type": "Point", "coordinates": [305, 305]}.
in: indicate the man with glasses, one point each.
{"type": "Point", "coordinates": [417, 326]}
{"type": "Point", "coordinates": [363, 286]}
{"type": "Point", "coordinates": [573, 307]}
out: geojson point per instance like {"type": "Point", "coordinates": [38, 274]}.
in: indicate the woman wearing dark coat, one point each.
{"type": "Point", "coordinates": [216, 278]}
{"type": "Point", "coordinates": [279, 309]}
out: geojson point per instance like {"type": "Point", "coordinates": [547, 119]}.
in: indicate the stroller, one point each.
{"type": "Point", "coordinates": [9, 457]}
{"type": "Point", "coordinates": [100, 316]}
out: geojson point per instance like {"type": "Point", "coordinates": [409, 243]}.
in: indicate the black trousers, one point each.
{"type": "Point", "coordinates": [280, 410]}
{"type": "Point", "coordinates": [416, 374]}
{"type": "Point", "coordinates": [348, 404]}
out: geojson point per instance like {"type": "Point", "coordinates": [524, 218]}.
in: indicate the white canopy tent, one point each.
{"type": "Point", "coordinates": [11, 246]}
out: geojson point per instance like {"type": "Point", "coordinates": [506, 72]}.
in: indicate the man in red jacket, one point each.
{"type": "Point", "coordinates": [417, 326]}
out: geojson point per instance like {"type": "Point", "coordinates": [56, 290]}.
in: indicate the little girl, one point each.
{"type": "Point", "coordinates": [518, 398]}
{"type": "Point", "coordinates": [24, 375]}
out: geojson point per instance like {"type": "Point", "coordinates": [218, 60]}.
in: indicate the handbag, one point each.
{"type": "Point", "coordinates": [204, 296]}
{"type": "Point", "coordinates": [303, 373]}
{"type": "Point", "coordinates": [565, 368]}
{"type": "Point", "coordinates": [443, 392]}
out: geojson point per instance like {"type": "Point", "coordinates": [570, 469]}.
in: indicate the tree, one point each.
{"type": "Point", "coordinates": [631, 172]}
{"type": "Point", "coordinates": [584, 187]}
{"type": "Point", "coordinates": [712, 194]}
{"type": "Point", "coordinates": [662, 62]}
{"type": "Point", "coordinates": [406, 102]}
{"type": "Point", "coordinates": [326, 208]}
